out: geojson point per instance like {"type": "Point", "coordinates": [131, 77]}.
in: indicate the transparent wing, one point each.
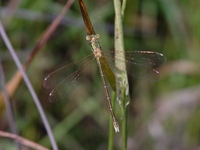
{"type": "Point", "coordinates": [139, 64]}
{"type": "Point", "coordinates": [62, 81]}
{"type": "Point", "coordinates": [147, 58]}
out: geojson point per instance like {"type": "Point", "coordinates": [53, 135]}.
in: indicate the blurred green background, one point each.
{"type": "Point", "coordinates": [162, 114]}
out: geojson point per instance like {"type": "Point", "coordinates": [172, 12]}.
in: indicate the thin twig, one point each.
{"type": "Point", "coordinates": [28, 84]}
{"type": "Point", "coordinates": [8, 103]}
{"type": "Point", "coordinates": [22, 140]}
{"type": "Point", "coordinates": [16, 79]}
{"type": "Point", "coordinates": [49, 31]}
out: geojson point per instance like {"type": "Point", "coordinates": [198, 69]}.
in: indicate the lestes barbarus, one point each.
{"type": "Point", "coordinates": [136, 61]}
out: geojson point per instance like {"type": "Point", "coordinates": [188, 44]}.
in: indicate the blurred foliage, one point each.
{"type": "Point", "coordinates": [160, 117]}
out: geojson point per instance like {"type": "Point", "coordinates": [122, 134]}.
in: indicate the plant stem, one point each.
{"type": "Point", "coordinates": [124, 120]}
{"type": "Point", "coordinates": [29, 86]}
{"type": "Point", "coordinates": [111, 129]}
{"type": "Point", "coordinates": [123, 7]}
{"type": "Point", "coordinates": [121, 77]}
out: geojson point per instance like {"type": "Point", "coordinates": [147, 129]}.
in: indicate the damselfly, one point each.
{"type": "Point", "coordinates": [138, 63]}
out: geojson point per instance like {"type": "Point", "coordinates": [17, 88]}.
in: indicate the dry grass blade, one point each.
{"type": "Point", "coordinates": [9, 108]}
{"type": "Point", "coordinates": [22, 140]}
{"type": "Point", "coordinates": [16, 79]}
{"type": "Point", "coordinates": [49, 31]}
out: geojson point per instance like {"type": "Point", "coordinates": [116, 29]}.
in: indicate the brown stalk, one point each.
{"type": "Point", "coordinates": [12, 85]}
{"type": "Point", "coordinates": [22, 141]}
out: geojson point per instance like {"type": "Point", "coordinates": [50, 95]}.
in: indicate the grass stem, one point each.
{"type": "Point", "coordinates": [121, 77]}
{"type": "Point", "coordinates": [111, 129]}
